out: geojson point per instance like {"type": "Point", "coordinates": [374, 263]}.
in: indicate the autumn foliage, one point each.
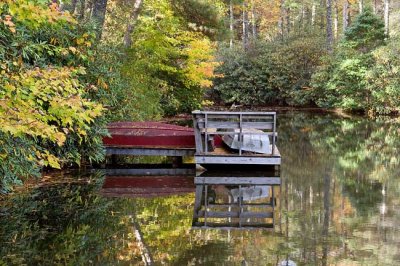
{"type": "Point", "coordinates": [43, 101]}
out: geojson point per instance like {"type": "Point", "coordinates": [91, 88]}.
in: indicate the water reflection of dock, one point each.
{"type": "Point", "coordinates": [241, 200]}
{"type": "Point", "coordinates": [150, 181]}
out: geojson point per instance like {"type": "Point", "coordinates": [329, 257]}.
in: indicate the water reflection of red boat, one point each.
{"type": "Point", "coordinates": [149, 134]}
{"type": "Point", "coordinates": [147, 186]}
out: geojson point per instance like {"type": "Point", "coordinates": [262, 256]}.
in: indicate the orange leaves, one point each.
{"type": "Point", "coordinates": [200, 63]}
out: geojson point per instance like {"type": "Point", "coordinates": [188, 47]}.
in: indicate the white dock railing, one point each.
{"type": "Point", "coordinates": [210, 123]}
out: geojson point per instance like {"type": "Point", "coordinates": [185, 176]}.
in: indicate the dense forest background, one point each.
{"type": "Point", "coordinates": [69, 67]}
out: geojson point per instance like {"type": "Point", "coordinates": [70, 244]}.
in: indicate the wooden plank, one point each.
{"type": "Point", "coordinates": [204, 159]}
{"type": "Point", "coordinates": [197, 201]}
{"type": "Point", "coordinates": [234, 214]}
{"type": "Point", "coordinates": [237, 180]}
{"type": "Point", "coordinates": [197, 112]}
{"type": "Point", "coordinates": [222, 151]}
{"type": "Point", "coordinates": [150, 171]}
{"type": "Point", "coordinates": [236, 125]}
{"type": "Point", "coordinates": [149, 151]}
{"type": "Point", "coordinates": [235, 117]}
{"type": "Point", "coordinates": [197, 136]}
{"type": "Point", "coordinates": [244, 133]}
{"type": "Point", "coordinates": [235, 205]}
{"type": "Point", "coordinates": [230, 226]}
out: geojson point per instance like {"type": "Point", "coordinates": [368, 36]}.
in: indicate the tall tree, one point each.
{"type": "Point", "coordinates": [329, 35]}
{"type": "Point", "coordinates": [99, 14]}
{"type": "Point", "coordinates": [281, 17]}
{"type": "Point", "coordinates": [131, 22]}
{"type": "Point", "coordinates": [336, 21]}
{"type": "Point", "coordinates": [313, 13]}
{"type": "Point", "coordinates": [288, 20]}
{"type": "Point", "coordinates": [245, 20]}
{"type": "Point", "coordinates": [375, 6]}
{"type": "Point", "coordinates": [231, 22]}
{"type": "Point", "coordinates": [386, 6]}
{"type": "Point", "coordinates": [345, 15]}
{"type": "Point", "coordinates": [360, 6]}
{"type": "Point", "coordinates": [253, 20]}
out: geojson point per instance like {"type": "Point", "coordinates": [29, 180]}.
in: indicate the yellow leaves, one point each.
{"type": "Point", "coordinates": [51, 160]}
{"type": "Point", "coordinates": [34, 15]}
{"type": "Point", "coordinates": [82, 132]}
{"type": "Point", "coordinates": [72, 49]}
{"type": "Point", "coordinates": [101, 83]}
{"type": "Point", "coordinates": [200, 63]}
{"type": "Point", "coordinates": [53, 41]}
{"type": "Point", "coordinates": [8, 22]}
{"type": "Point", "coordinates": [80, 41]}
{"type": "Point", "coordinates": [60, 138]}
{"type": "Point", "coordinates": [46, 103]}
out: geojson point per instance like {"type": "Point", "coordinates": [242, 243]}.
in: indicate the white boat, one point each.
{"type": "Point", "coordinates": [250, 193]}
{"type": "Point", "coordinates": [253, 141]}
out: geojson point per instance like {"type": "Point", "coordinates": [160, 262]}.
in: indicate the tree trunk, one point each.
{"type": "Point", "coordinates": [281, 19]}
{"type": "Point", "coordinates": [89, 8]}
{"type": "Point", "coordinates": [99, 15]}
{"type": "Point", "coordinates": [231, 29]}
{"type": "Point", "coordinates": [313, 12]}
{"type": "Point", "coordinates": [81, 11]}
{"type": "Point", "coordinates": [329, 36]}
{"type": "Point", "coordinates": [288, 26]}
{"type": "Point", "coordinates": [345, 15]}
{"type": "Point", "coordinates": [336, 21]}
{"type": "Point", "coordinates": [375, 7]}
{"type": "Point", "coordinates": [386, 6]}
{"type": "Point", "coordinates": [131, 23]}
{"type": "Point", "coordinates": [245, 25]}
{"type": "Point", "coordinates": [360, 6]}
{"type": "Point", "coordinates": [303, 14]}
{"type": "Point", "coordinates": [322, 15]}
{"type": "Point", "coordinates": [73, 6]}
{"type": "Point", "coordinates": [253, 21]}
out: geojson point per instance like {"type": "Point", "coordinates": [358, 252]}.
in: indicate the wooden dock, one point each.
{"type": "Point", "coordinates": [210, 126]}
{"type": "Point", "coordinates": [204, 141]}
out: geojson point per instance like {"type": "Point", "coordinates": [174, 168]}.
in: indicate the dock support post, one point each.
{"type": "Point", "coordinates": [177, 161]}
{"type": "Point", "coordinates": [113, 159]}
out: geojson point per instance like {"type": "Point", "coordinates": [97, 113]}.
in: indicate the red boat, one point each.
{"type": "Point", "coordinates": [149, 134]}
{"type": "Point", "coordinates": [147, 186]}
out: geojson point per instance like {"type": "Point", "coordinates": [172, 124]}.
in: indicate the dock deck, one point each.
{"type": "Point", "coordinates": [210, 126]}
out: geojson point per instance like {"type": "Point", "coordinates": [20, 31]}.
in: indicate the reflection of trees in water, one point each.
{"type": "Point", "coordinates": [70, 223]}
{"type": "Point", "coordinates": [362, 155]}
{"type": "Point", "coordinates": [66, 222]}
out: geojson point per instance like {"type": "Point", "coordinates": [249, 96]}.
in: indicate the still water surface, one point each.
{"type": "Point", "coordinates": [338, 204]}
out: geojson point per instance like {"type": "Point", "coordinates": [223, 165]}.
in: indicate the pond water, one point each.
{"type": "Point", "coordinates": [338, 204]}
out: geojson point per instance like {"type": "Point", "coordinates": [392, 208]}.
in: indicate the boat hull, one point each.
{"type": "Point", "coordinates": [258, 143]}
{"type": "Point", "coordinates": [149, 134]}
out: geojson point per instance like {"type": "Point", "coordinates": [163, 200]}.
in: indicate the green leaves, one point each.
{"type": "Point", "coordinates": [359, 76]}
{"type": "Point", "coordinates": [274, 72]}
{"type": "Point", "coordinates": [43, 91]}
